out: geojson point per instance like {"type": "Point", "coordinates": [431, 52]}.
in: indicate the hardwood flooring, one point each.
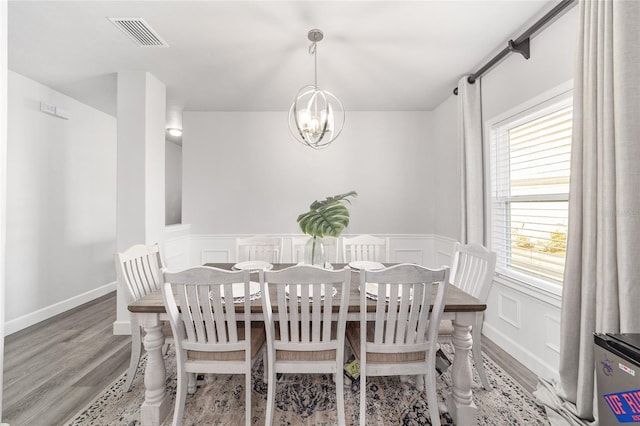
{"type": "Point", "coordinates": [55, 368]}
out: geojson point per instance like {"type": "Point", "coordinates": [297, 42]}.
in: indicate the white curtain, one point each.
{"type": "Point", "coordinates": [601, 290]}
{"type": "Point", "coordinates": [472, 161]}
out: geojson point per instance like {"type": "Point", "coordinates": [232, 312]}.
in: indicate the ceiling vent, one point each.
{"type": "Point", "coordinates": [139, 31]}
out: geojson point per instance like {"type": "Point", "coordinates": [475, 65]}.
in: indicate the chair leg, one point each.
{"type": "Point", "coordinates": [247, 385]}
{"type": "Point", "coordinates": [181, 396]}
{"type": "Point", "coordinates": [136, 351]}
{"type": "Point", "coordinates": [432, 397]}
{"type": "Point", "coordinates": [363, 396]}
{"type": "Point", "coordinates": [339, 380]}
{"type": "Point", "coordinates": [192, 386]}
{"type": "Point", "coordinates": [271, 393]}
{"type": "Point", "coordinates": [476, 350]}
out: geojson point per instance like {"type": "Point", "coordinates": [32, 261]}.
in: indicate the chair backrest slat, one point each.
{"type": "Point", "coordinates": [139, 269]}
{"type": "Point", "coordinates": [365, 247]}
{"type": "Point", "coordinates": [207, 311]}
{"type": "Point", "coordinates": [268, 249]}
{"type": "Point", "coordinates": [472, 269]}
{"type": "Point", "coordinates": [304, 313]}
{"type": "Point", "coordinates": [403, 306]}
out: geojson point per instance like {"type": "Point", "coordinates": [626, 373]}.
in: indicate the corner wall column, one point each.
{"type": "Point", "coordinates": [140, 206]}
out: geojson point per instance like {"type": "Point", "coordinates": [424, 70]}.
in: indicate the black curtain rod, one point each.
{"type": "Point", "coordinates": [521, 44]}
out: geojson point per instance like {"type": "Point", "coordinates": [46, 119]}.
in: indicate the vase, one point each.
{"type": "Point", "coordinates": [314, 252]}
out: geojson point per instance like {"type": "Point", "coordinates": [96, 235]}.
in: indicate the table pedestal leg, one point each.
{"type": "Point", "coordinates": [460, 401]}
{"type": "Point", "coordinates": [156, 401]}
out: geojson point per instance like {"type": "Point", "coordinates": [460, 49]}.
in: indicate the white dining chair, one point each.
{"type": "Point", "coordinates": [210, 335]}
{"type": "Point", "coordinates": [402, 339]}
{"type": "Point", "coordinates": [301, 336]}
{"type": "Point", "coordinates": [268, 249]}
{"type": "Point", "coordinates": [139, 272]}
{"type": "Point", "coordinates": [365, 247]}
{"type": "Point", "coordinates": [472, 271]}
{"type": "Point", "coordinates": [330, 248]}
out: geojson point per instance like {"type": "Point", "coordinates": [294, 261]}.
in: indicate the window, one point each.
{"type": "Point", "coordinates": [529, 163]}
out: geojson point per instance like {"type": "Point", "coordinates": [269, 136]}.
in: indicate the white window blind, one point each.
{"type": "Point", "coordinates": [530, 159]}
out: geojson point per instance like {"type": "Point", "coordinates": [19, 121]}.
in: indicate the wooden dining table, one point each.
{"type": "Point", "coordinates": [460, 308]}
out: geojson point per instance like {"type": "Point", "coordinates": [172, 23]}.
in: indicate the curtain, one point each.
{"type": "Point", "coordinates": [472, 161]}
{"type": "Point", "coordinates": [601, 292]}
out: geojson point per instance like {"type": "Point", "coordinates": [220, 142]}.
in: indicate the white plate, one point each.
{"type": "Point", "coordinates": [298, 290]}
{"type": "Point", "coordinates": [372, 291]}
{"type": "Point", "coordinates": [238, 291]}
{"type": "Point", "coordinates": [253, 266]}
{"type": "Point", "coordinates": [366, 265]}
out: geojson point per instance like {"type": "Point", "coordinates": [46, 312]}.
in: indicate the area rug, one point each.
{"type": "Point", "coordinates": [310, 399]}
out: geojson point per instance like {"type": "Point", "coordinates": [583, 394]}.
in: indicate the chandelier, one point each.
{"type": "Point", "coordinates": [316, 116]}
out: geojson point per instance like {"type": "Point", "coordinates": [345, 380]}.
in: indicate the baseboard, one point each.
{"type": "Point", "coordinates": [525, 357]}
{"type": "Point", "coordinates": [35, 317]}
{"type": "Point", "coordinates": [121, 328]}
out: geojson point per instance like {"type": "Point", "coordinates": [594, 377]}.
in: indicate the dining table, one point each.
{"type": "Point", "coordinates": [460, 308]}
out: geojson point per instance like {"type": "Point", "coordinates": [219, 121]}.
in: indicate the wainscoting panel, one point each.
{"type": "Point", "coordinates": [509, 310]}
{"type": "Point", "coordinates": [215, 256]}
{"type": "Point", "coordinates": [176, 247]}
{"type": "Point", "coordinates": [527, 327]}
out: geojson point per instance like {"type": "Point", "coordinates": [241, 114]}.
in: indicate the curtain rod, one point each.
{"type": "Point", "coordinates": [521, 44]}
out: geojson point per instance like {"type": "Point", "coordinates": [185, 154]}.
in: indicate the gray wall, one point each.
{"type": "Point", "coordinates": [244, 172]}
{"type": "Point", "coordinates": [173, 183]}
{"type": "Point", "coordinates": [61, 197]}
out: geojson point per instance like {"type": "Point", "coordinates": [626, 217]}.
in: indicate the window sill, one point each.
{"type": "Point", "coordinates": [545, 292]}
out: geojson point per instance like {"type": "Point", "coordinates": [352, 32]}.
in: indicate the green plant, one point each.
{"type": "Point", "coordinates": [328, 217]}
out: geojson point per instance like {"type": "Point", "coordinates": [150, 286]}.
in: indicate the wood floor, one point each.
{"type": "Point", "coordinates": [55, 368]}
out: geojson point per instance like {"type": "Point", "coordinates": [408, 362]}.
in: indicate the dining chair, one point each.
{"type": "Point", "coordinates": [365, 247]}
{"type": "Point", "coordinates": [268, 249]}
{"type": "Point", "coordinates": [210, 335]}
{"type": "Point", "coordinates": [301, 337]}
{"type": "Point", "coordinates": [472, 271]}
{"type": "Point", "coordinates": [330, 248]}
{"type": "Point", "coordinates": [139, 272]}
{"type": "Point", "coordinates": [402, 337]}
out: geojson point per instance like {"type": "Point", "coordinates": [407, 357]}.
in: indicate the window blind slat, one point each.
{"type": "Point", "coordinates": [529, 188]}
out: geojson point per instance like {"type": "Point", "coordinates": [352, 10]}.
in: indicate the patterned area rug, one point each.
{"type": "Point", "coordinates": [310, 399]}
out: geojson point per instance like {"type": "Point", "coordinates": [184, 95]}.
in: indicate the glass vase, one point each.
{"type": "Point", "coordinates": [314, 252]}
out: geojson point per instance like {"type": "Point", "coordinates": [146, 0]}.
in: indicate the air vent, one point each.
{"type": "Point", "coordinates": [139, 31]}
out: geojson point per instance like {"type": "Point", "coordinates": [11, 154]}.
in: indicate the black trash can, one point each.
{"type": "Point", "coordinates": [617, 359]}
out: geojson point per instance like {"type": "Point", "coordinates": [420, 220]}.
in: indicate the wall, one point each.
{"type": "Point", "coordinates": [522, 319]}
{"type": "Point", "coordinates": [61, 194]}
{"type": "Point", "coordinates": [447, 169]}
{"type": "Point", "coordinates": [173, 183]}
{"type": "Point", "coordinates": [245, 174]}
{"type": "Point", "coordinates": [3, 181]}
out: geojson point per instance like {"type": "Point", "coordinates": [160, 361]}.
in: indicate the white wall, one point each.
{"type": "Point", "coordinates": [61, 195]}
{"type": "Point", "coordinates": [447, 169]}
{"type": "Point", "coordinates": [243, 173]}
{"type": "Point", "coordinates": [3, 181]}
{"type": "Point", "coordinates": [522, 319]}
{"type": "Point", "coordinates": [173, 183]}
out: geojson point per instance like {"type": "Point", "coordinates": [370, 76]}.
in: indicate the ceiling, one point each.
{"type": "Point", "coordinates": [252, 56]}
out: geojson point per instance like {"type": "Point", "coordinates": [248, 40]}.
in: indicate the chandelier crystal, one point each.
{"type": "Point", "coordinates": [316, 116]}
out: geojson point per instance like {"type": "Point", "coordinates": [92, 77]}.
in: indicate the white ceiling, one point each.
{"type": "Point", "coordinates": [252, 56]}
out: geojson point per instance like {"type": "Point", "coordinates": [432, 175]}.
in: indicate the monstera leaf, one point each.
{"type": "Point", "coordinates": [328, 217]}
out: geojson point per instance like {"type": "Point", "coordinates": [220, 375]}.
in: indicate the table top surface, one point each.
{"type": "Point", "coordinates": [456, 300]}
